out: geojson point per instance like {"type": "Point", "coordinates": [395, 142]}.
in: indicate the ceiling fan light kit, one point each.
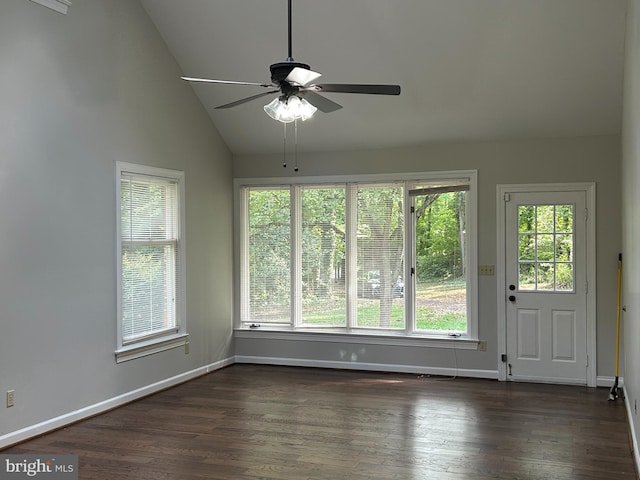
{"type": "Point", "coordinates": [286, 110]}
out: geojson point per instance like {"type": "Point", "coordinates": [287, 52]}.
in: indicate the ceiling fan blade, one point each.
{"type": "Point", "coordinates": [247, 99]}
{"type": "Point", "coordinates": [302, 76]}
{"type": "Point", "coordinates": [229, 82]}
{"type": "Point", "coordinates": [321, 103]}
{"type": "Point", "coordinates": [356, 88]}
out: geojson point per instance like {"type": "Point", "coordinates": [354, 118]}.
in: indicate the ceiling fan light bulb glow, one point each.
{"type": "Point", "coordinates": [303, 110]}
{"type": "Point", "coordinates": [289, 109]}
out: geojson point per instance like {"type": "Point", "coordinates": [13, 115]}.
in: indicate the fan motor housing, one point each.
{"type": "Point", "coordinates": [280, 71]}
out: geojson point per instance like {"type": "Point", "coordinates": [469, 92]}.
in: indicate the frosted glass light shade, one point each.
{"type": "Point", "coordinates": [286, 110]}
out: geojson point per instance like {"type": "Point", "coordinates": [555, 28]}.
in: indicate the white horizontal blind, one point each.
{"type": "Point", "coordinates": [269, 250]}
{"type": "Point", "coordinates": [323, 248]}
{"type": "Point", "coordinates": [149, 243]}
{"type": "Point", "coordinates": [380, 256]}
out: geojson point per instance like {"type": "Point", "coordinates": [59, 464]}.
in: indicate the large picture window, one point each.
{"type": "Point", "coordinates": [375, 255]}
{"type": "Point", "coordinates": [150, 259]}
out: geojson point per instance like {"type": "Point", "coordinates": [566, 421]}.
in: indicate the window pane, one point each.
{"type": "Point", "coordinates": [148, 209]}
{"type": "Point", "coordinates": [564, 276]}
{"type": "Point", "coordinates": [545, 219]}
{"type": "Point", "coordinates": [526, 247]}
{"type": "Point", "coordinates": [380, 256]}
{"type": "Point", "coordinates": [546, 272]}
{"type": "Point", "coordinates": [323, 257]}
{"type": "Point", "coordinates": [526, 219]}
{"type": "Point", "coordinates": [564, 218]}
{"type": "Point", "coordinates": [269, 256]}
{"type": "Point", "coordinates": [545, 250]}
{"type": "Point", "coordinates": [527, 276]}
{"type": "Point", "coordinates": [441, 287]}
{"type": "Point", "coordinates": [148, 290]}
{"type": "Point", "coordinates": [564, 248]}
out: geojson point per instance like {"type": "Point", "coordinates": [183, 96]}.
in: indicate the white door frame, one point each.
{"type": "Point", "coordinates": [590, 192]}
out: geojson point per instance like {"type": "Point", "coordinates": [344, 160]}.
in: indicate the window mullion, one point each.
{"type": "Point", "coordinates": [410, 260]}
{"type": "Point", "coordinates": [351, 228]}
{"type": "Point", "coordinates": [243, 225]}
{"type": "Point", "coordinates": [296, 256]}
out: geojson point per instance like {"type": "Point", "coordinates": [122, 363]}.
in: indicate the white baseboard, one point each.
{"type": "Point", "coordinates": [377, 367]}
{"type": "Point", "coordinates": [608, 381]}
{"type": "Point", "coordinates": [632, 429]}
{"type": "Point", "coordinates": [100, 407]}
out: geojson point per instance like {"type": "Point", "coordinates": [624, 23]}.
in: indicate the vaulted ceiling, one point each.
{"type": "Point", "coordinates": [470, 70]}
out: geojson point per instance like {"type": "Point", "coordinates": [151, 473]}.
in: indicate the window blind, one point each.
{"type": "Point", "coordinates": [269, 251]}
{"type": "Point", "coordinates": [149, 242]}
{"type": "Point", "coordinates": [380, 256]}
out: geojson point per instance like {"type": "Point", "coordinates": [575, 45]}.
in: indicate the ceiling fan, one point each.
{"type": "Point", "coordinates": [299, 97]}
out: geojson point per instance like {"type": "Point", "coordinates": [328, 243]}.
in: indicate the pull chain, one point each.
{"type": "Point", "coordinates": [295, 134]}
{"type": "Point", "coordinates": [284, 149]}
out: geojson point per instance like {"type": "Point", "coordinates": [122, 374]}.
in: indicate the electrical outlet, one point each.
{"type": "Point", "coordinates": [482, 346]}
{"type": "Point", "coordinates": [486, 269]}
{"type": "Point", "coordinates": [11, 399]}
{"type": "Point", "coordinates": [186, 348]}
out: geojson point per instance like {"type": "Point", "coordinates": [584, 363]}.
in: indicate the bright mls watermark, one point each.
{"type": "Point", "coordinates": [51, 467]}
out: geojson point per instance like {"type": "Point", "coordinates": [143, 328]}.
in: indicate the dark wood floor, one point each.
{"type": "Point", "coordinates": [250, 422]}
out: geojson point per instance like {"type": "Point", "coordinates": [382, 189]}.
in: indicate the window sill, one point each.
{"type": "Point", "coordinates": [142, 349]}
{"type": "Point", "coordinates": [458, 343]}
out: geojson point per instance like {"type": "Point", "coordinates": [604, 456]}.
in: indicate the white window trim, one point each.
{"type": "Point", "coordinates": [407, 337]}
{"type": "Point", "coordinates": [173, 339]}
{"type": "Point", "coordinates": [60, 6]}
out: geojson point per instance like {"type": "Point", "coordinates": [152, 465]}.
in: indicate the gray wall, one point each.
{"type": "Point", "coordinates": [631, 216]}
{"type": "Point", "coordinates": [585, 159]}
{"type": "Point", "coordinates": [78, 93]}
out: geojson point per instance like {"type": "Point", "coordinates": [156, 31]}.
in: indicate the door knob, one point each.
{"type": "Point", "coordinates": [512, 298]}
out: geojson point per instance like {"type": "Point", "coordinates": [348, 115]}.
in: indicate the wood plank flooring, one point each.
{"type": "Point", "coordinates": [249, 422]}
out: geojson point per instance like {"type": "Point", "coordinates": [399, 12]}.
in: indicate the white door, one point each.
{"type": "Point", "coordinates": [546, 286]}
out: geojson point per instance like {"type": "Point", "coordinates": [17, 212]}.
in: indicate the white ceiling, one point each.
{"type": "Point", "coordinates": [470, 70]}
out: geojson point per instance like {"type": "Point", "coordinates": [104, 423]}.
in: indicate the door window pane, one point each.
{"type": "Point", "coordinates": [544, 218]}
{"type": "Point", "coordinates": [545, 247]}
{"type": "Point", "coordinates": [564, 218]}
{"type": "Point", "coordinates": [527, 276]}
{"type": "Point", "coordinates": [526, 219]}
{"type": "Point", "coordinates": [564, 276]}
{"type": "Point", "coordinates": [564, 248]}
{"type": "Point", "coordinates": [546, 273]}
{"type": "Point", "coordinates": [527, 247]}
